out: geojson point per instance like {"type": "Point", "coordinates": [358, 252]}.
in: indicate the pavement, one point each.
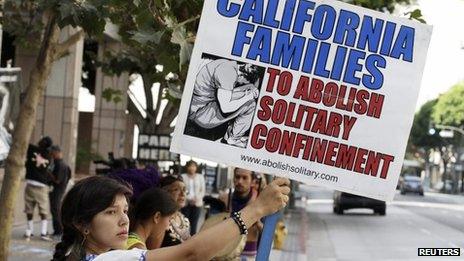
{"type": "Point", "coordinates": [35, 249]}
{"type": "Point", "coordinates": [295, 247]}
{"type": "Point", "coordinates": [432, 221]}
{"type": "Point", "coordinates": [20, 249]}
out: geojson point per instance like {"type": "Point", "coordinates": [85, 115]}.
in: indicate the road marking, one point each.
{"type": "Point", "coordinates": [430, 205]}
{"type": "Point", "coordinates": [319, 201]}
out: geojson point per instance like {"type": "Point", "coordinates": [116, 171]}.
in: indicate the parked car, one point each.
{"type": "Point", "coordinates": [412, 184]}
{"type": "Point", "coordinates": [343, 201]}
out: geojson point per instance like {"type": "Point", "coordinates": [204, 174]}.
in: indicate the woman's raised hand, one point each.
{"type": "Point", "coordinates": [273, 198]}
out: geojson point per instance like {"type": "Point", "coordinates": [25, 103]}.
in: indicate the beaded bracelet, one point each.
{"type": "Point", "coordinates": [237, 217]}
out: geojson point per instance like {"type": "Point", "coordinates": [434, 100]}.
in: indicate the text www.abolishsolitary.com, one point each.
{"type": "Point", "coordinates": [287, 167]}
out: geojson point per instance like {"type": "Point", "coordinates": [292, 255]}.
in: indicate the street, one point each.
{"type": "Point", "coordinates": [315, 233]}
{"type": "Point", "coordinates": [412, 222]}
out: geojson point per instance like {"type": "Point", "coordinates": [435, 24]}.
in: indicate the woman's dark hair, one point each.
{"type": "Point", "coordinates": [86, 199]}
{"type": "Point", "coordinates": [170, 179]}
{"type": "Point", "coordinates": [151, 201]}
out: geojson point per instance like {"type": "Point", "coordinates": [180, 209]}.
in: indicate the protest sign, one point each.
{"type": "Point", "coordinates": [9, 107]}
{"type": "Point", "coordinates": [321, 92]}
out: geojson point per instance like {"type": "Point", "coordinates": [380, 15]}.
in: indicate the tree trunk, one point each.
{"type": "Point", "coordinates": [14, 169]}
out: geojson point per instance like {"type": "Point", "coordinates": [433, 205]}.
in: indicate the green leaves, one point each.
{"type": "Point", "coordinates": [180, 37]}
{"type": "Point", "coordinates": [147, 36]}
{"type": "Point", "coordinates": [23, 18]}
{"type": "Point", "coordinates": [173, 93]}
{"type": "Point", "coordinates": [116, 64]}
{"type": "Point", "coordinates": [112, 95]}
{"type": "Point", "coordinates": [420, 136]}
{"type": "Point", "coordinates": [90, 15]}
{"type": "Point", "coordinates": [416, 15]}
{"type": "Point", "coordinates": [27, 29]}
{"type": "Point", "coordinates": [449, 109]}
{"type": "Point", "coordinates": [174, 90]}
{"type": "Point", "coordinates": [137, 2]}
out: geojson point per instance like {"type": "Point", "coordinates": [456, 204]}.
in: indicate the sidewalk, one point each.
{"type": "Point", "coordinates": [36, 249]}
{"type": "Point", "coordinates": [20, 250]}
{"type": "Point", "coordinates": [295, 246]}
{"type": "Point", "coordinates": [18, 216]}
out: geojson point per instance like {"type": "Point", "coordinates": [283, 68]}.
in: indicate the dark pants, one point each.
{"type": "Point", "coordinates": [193, 214]}
{"type": "Point", "coordinates": [55, 202]}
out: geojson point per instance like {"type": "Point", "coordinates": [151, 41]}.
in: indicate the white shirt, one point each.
{"type": "Point", "coordinates": [35, 183]}
{"type": "Point", "coordinates": [196, 188]}
{"type": "Point", "coordinates": [120, 255]}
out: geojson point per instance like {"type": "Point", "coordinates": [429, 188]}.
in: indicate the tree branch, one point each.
{"type": "Point", "coordinates": [147, 85]}
{"type": "Point", "coordinates": [193, 19]}
{"type": "Point", "coordinates": [170, 112]}
{"type": "Point", "coordinates": [63, 47]}
{"type": "Point", "coordinates": [136, 115]}
{"type": "Point", "coordinates": [158, 101]}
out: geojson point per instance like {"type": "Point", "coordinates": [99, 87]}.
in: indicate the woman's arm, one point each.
{"type": "Point", "coordinates": [206, 244]}
{"type": "Point", "coordinates": [227, 105]}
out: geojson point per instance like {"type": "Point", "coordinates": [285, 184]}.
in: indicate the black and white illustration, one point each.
{"type": "Point", "coordinates": [9, 107]}
{"type": "Point", "coordinates": [224, 100]}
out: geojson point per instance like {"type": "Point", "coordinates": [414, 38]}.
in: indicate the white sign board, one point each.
{"type": "Point", "coordinates": [321, 92]}
{"type": "Point", "coordinates": [9, 107]}
{"type": "Point", "coordinates": [153, 147]}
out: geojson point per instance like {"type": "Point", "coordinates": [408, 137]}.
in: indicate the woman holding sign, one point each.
{"type": "Point", "coordinates": [94, 216]}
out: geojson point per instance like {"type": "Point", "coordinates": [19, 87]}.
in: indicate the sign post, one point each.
{"type": "Point", "coordinates": [264, 248]}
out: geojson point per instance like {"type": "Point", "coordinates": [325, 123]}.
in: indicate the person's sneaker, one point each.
{"type": "Point", "coordinates": [46, 238]}
{"type": "Point", "coordinates": [27, 238]}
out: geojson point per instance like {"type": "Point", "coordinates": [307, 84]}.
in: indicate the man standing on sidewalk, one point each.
{"type": "Point", "coordinates": [235, 201]}
{"type": "Point", "coordinates": [38, 175]}
{"type": "Point", "coordinates": [195, 183]}
{"type": "Point", "coordinates": [61, 176]}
